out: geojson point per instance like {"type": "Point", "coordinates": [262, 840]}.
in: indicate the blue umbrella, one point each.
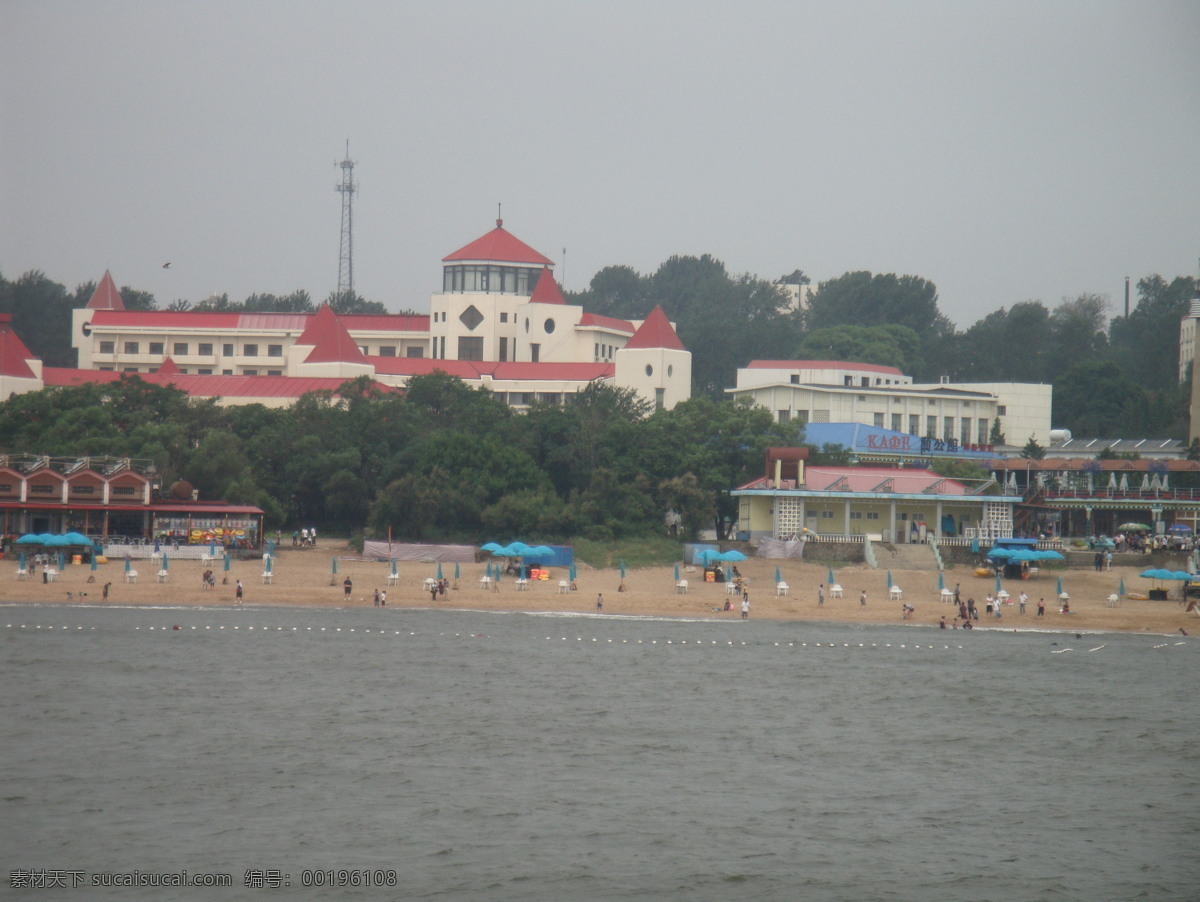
{"type": "Point", "coordinates": [212, 547]}
{"type": "Point", "coordinates": [271, 548]}
{"type": "Point", "coordinates": [707, 556]}
{"type": "Point", "coordinates": [23, 560]}
{"type": "Point", "coordinates": [1121, 588]}
{"type": "Point", "coordinates": [93, 562]}
{"type": "Point", "coordinates": [778, 577]}
{"type": "Point", "coordinates": [1059, 590]}
{"type": "Point", "coordinates": [733, 555]}
{"type": "Point", "coordinates": [334, 565]}
{"type": "Point", "coordinates": [941, 582]}
{"type": "Point", "coordinates": [439, 576]}
{"type": "Point", "coordinates": [127, 567]}
{"type": "Point", "coordinates": [227, 562]}
{"type": "Point", "coordinates": [571, 572]}
{"type": "Point", "coordinates": [61, 560]}
{"type": "Point", "coordinates": [889, 579]}
{"type": "Point", "coordinates": [491, 547]}
{"type": "Point", "coordinates": [999, 588]}
{"type": "Point", "coordinates": [30, 539]}
{"type": "Point", "coordinates": [394, 567]}
{"type": "Point", "coordinates": [728, 573]}
{"type": "Point", "coordinates": [268, 560]}
{"type": "Point", "coordinates": [677, 571]}
{"type": "Point", "coordinates": [829, 579]}
{"type": "Point", "coordinates": [489, 570]}
{"type": "Point", "coordinates": [166, 563]}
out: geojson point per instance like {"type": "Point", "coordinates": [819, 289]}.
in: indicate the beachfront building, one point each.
{"type": "Point", "coordinates": [958, 414]}
{"type": "Point", "coordinates": [20, 371]}
{"type": "Point", "coordinates": [500, 322]}
{"type": "Point", "coordinates": [890, 504]}
{"type": "Point", "coordinates": [115, 500]}
{"type": "Point", "coordinates": [1084, 496]}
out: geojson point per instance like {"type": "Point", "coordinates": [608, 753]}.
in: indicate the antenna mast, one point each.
{"type": "Point", "coordinates": [346, 188]}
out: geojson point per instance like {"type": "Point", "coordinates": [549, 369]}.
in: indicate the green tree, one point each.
{"type": "Point", "coordinates": [1032, 450]}
{"type": "Point", "coordinates": [353, 302]}
{"type": "Point", "coordinates": [887, 345]}
{"type": "Point", "coordinates": [866, 299]}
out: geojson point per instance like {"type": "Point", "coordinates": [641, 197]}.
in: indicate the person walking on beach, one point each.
{"type": "Point", "coordinates": [347, 587]}
{"type": "Point", "coordinates": [104, 592]}
{"type": "Point", "coordinates": [600, 602]}
{"type": "Point", "coordinates": [862, 599]}
{"type": "Point", "coordinates": [376, 598]}
{"type": "Point", "coordinates": [237, 593]}
{"type": "Point", "coordinates": [821, 595]}
{"type": "Point", "coordinates": [745, 605]}
{"type": "Point", "coordinates": [1041, 607]}
{"type": "Point", "coordinates": [383, 599]}
{"type": "Point", "coordinates": [1021, 599]}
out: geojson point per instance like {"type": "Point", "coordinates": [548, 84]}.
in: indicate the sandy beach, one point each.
{"type": "Point", "coordinates": [303, 577]}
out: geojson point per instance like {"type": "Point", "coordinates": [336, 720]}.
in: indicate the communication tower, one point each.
{"type": "Point", "coordinates": [346, 188]}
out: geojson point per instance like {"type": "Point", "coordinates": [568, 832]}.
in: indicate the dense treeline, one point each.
{"type": "Point", "coordinates": [440, 461]}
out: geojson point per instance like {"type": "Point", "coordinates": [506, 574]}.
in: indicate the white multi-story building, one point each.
{"type": "Point", "coordinates": [500, 321]}
{"type": "Point", "coordinates": [829, 391]}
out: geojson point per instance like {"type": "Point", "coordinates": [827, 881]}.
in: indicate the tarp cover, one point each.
{"type": "Point", "coordinates": [382, 551]}
{"type": "Point", "coordinates": [780, 548]}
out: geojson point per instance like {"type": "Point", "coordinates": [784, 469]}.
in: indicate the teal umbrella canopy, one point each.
{"type": "Point", "coordinates": [733, 555]}
{"type": "Point", "coordinates": [76, 538]}
{"type": "Point", "coordinates": [23, 560]}
{"type": "Point", "coordinates": [166, 565]}
{"type": "Point", "coordinates": [334, 565]}
{"type": "Point", "coordinates": [267, 561]}
{"type": "Point", "coordinates": [677, 571]}
{"type": "Point", "coordinates": [227, 562]}
{"type": "Point", "coordinates": [56, 541]}
{"type": "Point", "coordinates": [394, 566]}
{"type": "Point", "coordinates": [707, 556]}
{"type": "Point", "coordinates": [778, 575]}
{"type": "Point", "coordinates": [941, 582]}
{"type": "Point", "coordinates": [439, 572]}
{"type": "Point", "coordinates": [889, 579]}
{"type": "Point", "coordinates": [127, 565]}
{"type": "Point", "coordinates": [1121, 588]}
{"type": "Point", "coordinates": [829, 579]}
{"type": "Point", "coordinates": [30, 538]}
{"type": "Point", "coordinates": [1059, 590]}
{"type": "Point", "coordinates": [456, 571]}
{"type": "Point", "coordinates": [491, 547]}
{"type": "Point", "coordinates": [571, 572]}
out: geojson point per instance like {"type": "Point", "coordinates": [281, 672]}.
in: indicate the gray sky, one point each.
{"type": "Point", "coordinates": [1006, 151]}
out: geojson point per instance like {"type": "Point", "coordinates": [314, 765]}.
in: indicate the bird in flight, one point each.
{"type": "Point", "coordinates": [167, 265]}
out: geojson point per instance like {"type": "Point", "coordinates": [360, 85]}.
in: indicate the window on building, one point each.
{"type": "Point", "coordinates": [108, 347]}
{"type": "Point", "coordinates": [1001, 410]}
{"type": "Point", "coordinates": [878, 420]}
{"type": "Point", "coordinates": [131, 347]}
{"type": "Point", "coordinates": [42, 489]}
{"type": "Point", "coordinates": [785, 416]}
{"type": "Point", "coordinates": [855, 515]}
{"type": "Point", "coordinates": [274, 372]}
{"type": "Point", "coordinates": [872, 515]}
{"type": "Point", "coordinates": [802, 417]}
{"type": "Point", "coordinates": [548, 326]}
{"type": "Point", "coordinates": [535, 353]}
{"type": "Point", "coordinates": [948, 428]}
{"type": "Point", "coordinates": [865, 382]}
{"type": "Point", "coordinates": [931, 427]}
{"type": "Point", "coordinates": [274, 350]}
{"type": "Point", "coordinates": [897, 422]}
{"type": "Point", "coordinates": [965, 433]}
{"type": "Point", "coordinates": [660, 395]}
{"type": "Point", "coordinates": [387, 351]}
{"type": "Point", "coordinates": [503, 349]}
{"type": "Point", "coordinates": [204, 371]}
{"type": "Point", "coordinates": [470, 348]}
{"type": "Point", "coordinates": [249, 372]}
{"type": "Point", "coordinates": [826, 515]}
{"type": "Point", "coordinates": [249, 350]}
{"type": "Point", "coordinates": [121, 490]}
{"type": "Point", "coordinates": [795, 380]}
{"type": "Point", "coordinates": [820, 416]}
{"type": "Point", "coordinates": [471, 317]}
{"type": "Point", "coordinates": [914, 424]}
{"type": "Point", "coordinates": [156, 348]}
{"type": "Point", "coordinates": [130, 369]}
{"type": "Point", "coordinates": [984, 431]}
{"type": "Point", "coordinates": [847, 380]}
{"type": "Point", "coordinates": [226, 372]}
{"type": "Point", "coordinates": [179, 349]}
{"type": "Point", "coordinates": [204, 349]}
{"type": "Point", "coordinates": [106, 369]}
{"type": "Point", "coordinates": [415, 351]}
{"type": "Point", "coordinates": [227, 350]}
{"type": "Point", "coordinates": [503, 317]}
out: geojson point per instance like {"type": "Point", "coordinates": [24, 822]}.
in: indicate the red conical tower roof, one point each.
{"type": "Point", "coordinates": [169, 368]}
{"type": "Point", "coordinates": [546, 291]}
{"type": "Point", "coordinates": [14, 356]}
{"type": "Point", "coordinates": [655, 332]}
{"type": "Point", "coordinates": [106, 296]}
{"type": "Point", "coordinates": [499, 246]}
{"type": "Point", "coordinates": [330, 340]}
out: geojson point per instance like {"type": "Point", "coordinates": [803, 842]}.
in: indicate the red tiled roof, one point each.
{"type": "Point", "coordinates": [423, 366]}
{"type": "Point", "coordinates": [499, 246]}
{"type": "Point", "coordinates": [546, 291]}
{"type": "Point", "coordinates": [867, 479]}
{"type": "Point", "coordinates": [14, 356]}
{"type": "Point", "coordinates": [607, 322]}
{"type": "Point", "coordinates": [106, 296]}
{"type": "Point", "coordinates": [331, 342]}
{"type": "Point", "coordinates": [821, 365]}
{"type": "Point", "coordinates": [655, 332]}
{"type": "Point", "coordinates": [388, 322]}
{"type": "Point", "coordinates": [208, 386]}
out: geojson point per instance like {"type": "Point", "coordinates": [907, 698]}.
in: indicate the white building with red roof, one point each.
{"type": "Point", "coordinates": [20, 371]}
{"type": "Point", "coordinates": [499, 322]}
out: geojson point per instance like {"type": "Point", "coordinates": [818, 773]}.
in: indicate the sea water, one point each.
{"type": "Point", "coordinates": [464, 755]}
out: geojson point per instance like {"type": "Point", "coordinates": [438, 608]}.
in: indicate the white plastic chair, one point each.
{"type": "Point", "coordinates": [681, 587]}
{"type": "Point", "coordinates": [781, 588]}
{"type": "Point", "coordinates": [835, 591]}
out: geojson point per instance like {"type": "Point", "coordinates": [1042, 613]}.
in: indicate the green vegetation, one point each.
{"type": "Point", "coordinates": [647, 551]}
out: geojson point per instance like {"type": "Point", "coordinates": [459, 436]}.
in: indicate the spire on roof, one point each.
{"type": "Point", "coordinates": [14, 356]}
{"type": "Point", "coordinates": [546, 291]}
{"type": "Point", "coordinates": [655, 332]}
{"type": "Point", "coordinates": [106, 296]}
{"type": "Point", "coordinates": [330, 339]}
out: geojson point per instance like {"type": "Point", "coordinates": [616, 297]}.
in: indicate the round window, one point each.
{"type": "Point", "coordinates": [649, 370]}
{"type": "Point", "coordinates": [670, 371]}
{"type": "Point", "coordinates": [549, 326]}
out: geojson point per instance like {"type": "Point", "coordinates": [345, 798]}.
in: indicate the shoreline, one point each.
{"type": "Point", "coordinates": [303, 579]}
